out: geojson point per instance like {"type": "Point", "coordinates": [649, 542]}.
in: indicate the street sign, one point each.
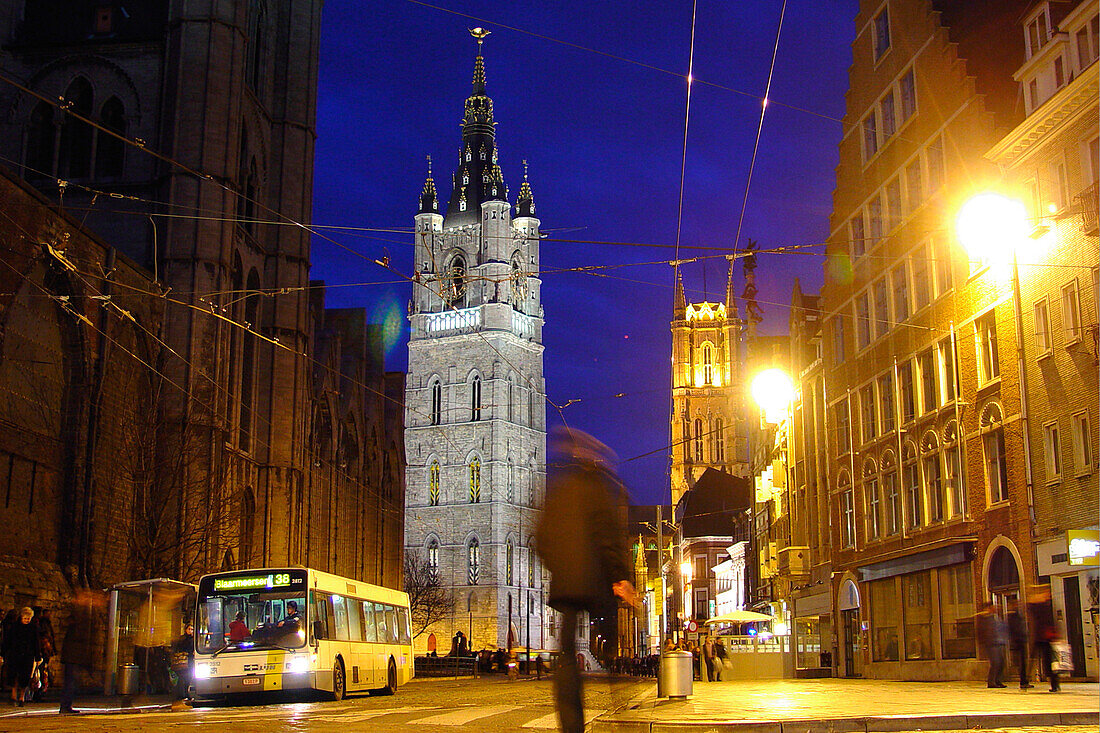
{"type": "Point", "coordinates": [692, 626]}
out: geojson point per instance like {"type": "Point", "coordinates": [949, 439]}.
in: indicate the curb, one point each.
{"type": "Point", "coordinates": [865, 724]}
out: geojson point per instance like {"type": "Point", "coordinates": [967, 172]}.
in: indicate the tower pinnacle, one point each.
{"type": "Point", "coordinates": [525, 204]}
{"type": "Point", "coordinates": [429, 201]}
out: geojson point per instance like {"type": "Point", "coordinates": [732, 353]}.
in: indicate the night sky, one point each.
{"type": "Point", "coordinates": [602, 129]}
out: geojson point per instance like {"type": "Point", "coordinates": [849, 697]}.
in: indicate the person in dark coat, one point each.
{"type": "Point", "coordinates": [183, 661]}
{"type": "Point", "coordinates": [1018, 642]}
{"type": "Point", "coordinates": [48, 645]}
{"type": "Point", "coordinates": [78, 652]}
{"type": "Point", "coordinates": [582, 541]}
{"type": "Point", "coordinates": [992, 635]}
{"type": "Point", "coordinates": [1040, 615]}
{"type": "Point", "coordinates": [21, 651]}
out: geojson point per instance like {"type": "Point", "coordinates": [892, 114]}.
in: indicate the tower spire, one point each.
{"type": "Point", "coordinates": [679, 306]}
{"type": "Point", "coordinates": [525, 204]}
{"type": "Point", "coordinates": [480, 34]}
{"type": "Point", "coordinates": [429, 201]}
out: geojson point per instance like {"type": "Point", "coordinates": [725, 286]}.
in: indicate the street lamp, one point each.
{"type": "Point", "coordinates": [773, 391]}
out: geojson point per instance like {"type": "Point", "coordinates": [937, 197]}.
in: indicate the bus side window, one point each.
{"type": "Point", "coordinates": [368, 622]}
{"type": "Point", "coordinates": [380, 622]}
{"type": "Point", "coordinates": [355, 623]}
{"type": "Point", "coordinates": [391, 624]}
{"type": "Point", "coordinates": [320, 616]}
{"type": "Point", "coordinates": [403, 626]}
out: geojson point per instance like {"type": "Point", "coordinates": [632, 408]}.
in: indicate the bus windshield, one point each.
{"type": "Point", "coordinates": [241, 612]}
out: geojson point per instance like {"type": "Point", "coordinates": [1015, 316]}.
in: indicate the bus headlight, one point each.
{"type": "Point", "coordinates": [298, 665]}
{"type": "Point", "coordinates": [202, 671]}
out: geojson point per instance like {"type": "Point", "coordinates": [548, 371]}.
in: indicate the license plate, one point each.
{"type": "Point", "coordinates": [250, 681]}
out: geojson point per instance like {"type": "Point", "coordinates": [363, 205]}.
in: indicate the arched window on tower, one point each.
{"type": "Point", "coordinates": [109, 150]}
{"type": "Point", "coordinates": [433, 556]}
{"type": "Point", "coordinates": [708, 364]}
{"type": "Point", "coordinates": [437, 402]}
{"type": "Point", "coordinates": [433, 484]}
{"type": "Point", "coordinates": [719, 442]}
{"type": "Point", "coordinates": [41, 138]}
{"type": "Point", "coordinates": [475, 480]}
{"type": "Point", "coordinates": [475, 398]}
{"type": "Point", "coordinates": [473, 561]}
{"type": "Point", "coordinates": [686, 439]}
{"type": "Point", "coordinates": [76, 135]}
{"type": "Point", "coordinates": [698, 440]}
{"type": "Point", "coordinates": [510, 562]}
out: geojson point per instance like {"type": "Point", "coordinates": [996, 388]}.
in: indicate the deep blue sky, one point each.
{"type": "Point", "coordinates": [604, 138]}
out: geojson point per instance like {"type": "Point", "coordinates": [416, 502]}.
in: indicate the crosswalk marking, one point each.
{"type": "Point", "coordinates": [467, 715]}
{"type": "Point", "coordinates": [550, 722]}
{"type": "Point", "coordinates": [362, 715]}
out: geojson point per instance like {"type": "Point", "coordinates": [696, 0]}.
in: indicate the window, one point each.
{"type": "Point", "coordinates": [40, 142]}
{"type": "Point", "coordinates": [889, 121]}
{"type": "Point", "coordinates": [914, 193]}
{"type": "Point", "coordinates": [255, 59]}
{"type": "Point", "coordinates": [863, 320]}
{"type": "Point", "coordinates": [475, 481]}
{"type": "Point", "coordinates": [881, 27]}
{"type": "Point", "coordinates": [1059, 186]}
{"type": "Point", "coordinates": [873, 501]}
{"type": "Point", "coordinates": [475, 398]}
{"type": "Point", "coordinates": [882, 308]}
{"type": "Point", "coordinates": [848, 518]}
{"type": "Point", "coordinates": [945, 352]}
{"type": "Point", "coordinates": [433, 555]}
{"type": "Point", "coordinates": [1086, 43]}
{"type": "Point", "coordinates": [993, 445]}
{"type": "Point", "coordinates": [905, 384]}
{"type": "Point", "coordinates": [687, 438]}
{"type": "Point", "coordinates": [1042, 328]}
{"type": "Point", "coordinates": [916, 604]}
{"type": "Point", "coordinates": [953, 465]}
{"type": "Point", "coordinates": [908, 86]}
{"type": "Point", "coordinates": [884, 620]}
{"type": "Point", "coordinates": [838, 339]}
{"type": "Point", "coordinates": [1052, 451]}
{"type": "Point", "coordinates": [1071, 311]}
{"type": "Point", "coordinates": [473, 561]}
{"type": "Point", "coordinates": [454, 282]}
{"type": "Point", "coordinates": [957, 611]}
{"type": "Point", "coordinates": [922, 286]}
{"type": "Point", "coordinates": [1059, 73]}
{"type": "Point", "coordinates": [1082, 444]}
{"type": "Point", "coordinates": [719, 442]}
{"type": "Point", "coordinates": [510, 563]}
{"type": "Point", "coordinates": [698, 440]}
{"type": "Point", "coordinates": [858, 235]}
{"type": "Point", "coordinates": [914, 499]}
{"type": "Point", "coordinates": [708, 364]}
{"type": "Point", "coordinates": [899, 280]}
{"type": "Point", "coordinates": [874, 218]}
{"type": "Point", "coordinates": [109, 149]}
{"type": "Point", "coordinates": [1036, 33]}
{"type": "Point", "coordinates": [886, 402]}
{"type": "Point", "coordinates": [76, 135]}
{"type": "Point", "coordinates": [933, 479]}
{"type": "Point", "coordinates": [867, 410]}
{"type": "Point", "coordinates": [870, 136]}
{"type": "Point", "coordinates": [893, 204]}
{"type": "Point", "coordinates": [433, 484]}
{"type": "Point", "coordinates": [934, 156]}
{"type": "Point", "coordinates": [843, 434]}
{"type": "Point", "coordinates": [929, 397]}
{"type": "Point", "coordinates": [942, 254]}
{"type": "Point", "coordinates": [893, 497]}
{"type": "Point", "coordinates": [437, 403]}
{"type": "Point", "coordinates": [989, 364]}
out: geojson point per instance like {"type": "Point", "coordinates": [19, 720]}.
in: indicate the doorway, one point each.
{"type": "Point", "coordinates": [1071, 590]}
{"type": "Point", "coordinates": [849, 619]}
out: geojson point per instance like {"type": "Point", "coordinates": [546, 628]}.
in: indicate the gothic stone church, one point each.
{"type": "Point", "coordinates": [475, 436]}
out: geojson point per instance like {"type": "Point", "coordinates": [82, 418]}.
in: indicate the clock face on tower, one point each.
{"type": "Point", "coordinates": [454, 282]}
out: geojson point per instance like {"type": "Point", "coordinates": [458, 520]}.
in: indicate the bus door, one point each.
{"type": "Point", "coordinates": [370, 648]}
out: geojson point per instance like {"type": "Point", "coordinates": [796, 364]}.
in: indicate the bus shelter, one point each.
{"type": "Point", "coordinates": [144, 617]}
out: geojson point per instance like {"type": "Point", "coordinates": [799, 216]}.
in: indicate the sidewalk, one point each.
{"type": "Point", "coordinates": [88, 705]}
{"type": "Point", "coordinates": [787, 705]}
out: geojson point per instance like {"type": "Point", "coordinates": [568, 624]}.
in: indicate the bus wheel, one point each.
{"type": "Point", "coordinates": [391, 680]}
{"type": "Point", "coordinates": [339, 681]}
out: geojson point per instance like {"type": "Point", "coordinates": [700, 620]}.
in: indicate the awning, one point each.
{"type": "Point", "coordinates": [937, 558]}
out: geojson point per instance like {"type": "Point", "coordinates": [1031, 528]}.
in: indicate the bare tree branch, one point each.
{"type": "Point", "coordinates": [429, 602]}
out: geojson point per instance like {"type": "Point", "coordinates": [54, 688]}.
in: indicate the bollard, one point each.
{"type": "Point", "coordinates": [674, 678]}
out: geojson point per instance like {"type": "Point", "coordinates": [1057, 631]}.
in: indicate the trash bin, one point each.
{"type": "Point", "coordinates": [674, 678]}
{"type": "Point", "coordinates": [129, 676]}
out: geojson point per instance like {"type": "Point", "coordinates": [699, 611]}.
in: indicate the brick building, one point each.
{"type": "Point", "coordinates": [271, 434]}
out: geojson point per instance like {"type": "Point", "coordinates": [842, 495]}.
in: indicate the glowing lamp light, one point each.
{"type": "Point", "coordinates": [773, 391]}
{"type": "Point", "coordinates": [685, 569]}
{"type": "Point", "coordinates": [202, 671]}
{"type": "Point", "coordinates": [779, 628]}
{"type": "Point", "coordinates": [991, 227]}
{"type": "Point", "coordinates": [297, 665]}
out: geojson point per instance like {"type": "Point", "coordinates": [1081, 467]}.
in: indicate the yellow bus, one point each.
{"type": "Point", "coordinates": [298, 629]}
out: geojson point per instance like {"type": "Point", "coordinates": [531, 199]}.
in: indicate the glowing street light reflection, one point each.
{"type": "Point", "coordinates": [773, 391]}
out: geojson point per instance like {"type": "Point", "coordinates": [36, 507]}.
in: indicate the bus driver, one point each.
{"type": "Point", "coordinates": [293, 620]}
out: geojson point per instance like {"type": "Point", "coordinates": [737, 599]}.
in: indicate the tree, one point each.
{"type": "Point", "coordinates": [429, 602]}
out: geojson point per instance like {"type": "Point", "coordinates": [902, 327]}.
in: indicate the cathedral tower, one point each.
{"type": "Point", "coordinates": [707, 389]}
{"type": "Point", "coordinates": [475, 435]}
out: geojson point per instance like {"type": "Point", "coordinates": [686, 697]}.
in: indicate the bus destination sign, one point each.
{"type": "Point", "coordinates": [251, 582]}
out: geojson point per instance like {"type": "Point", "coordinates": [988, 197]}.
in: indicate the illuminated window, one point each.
{"type": "Point", "coordinates": [892, 495]}
{"type": "Point", "coordinates": [708, 364]}
{"type": "Point", "coordinates": [437, 402]}
{"type": "Point", "coordinates": [868, 408]}
{"type": "Point", "coordinates": [475, 398]}
{"type": "Point", "coordinates": [510, 563]}
{"type": "Point", "coordinates": [847, 516]}
{"type": "Point", "coordinates": [473, 561]}
{"type": "Point", "coordinates": [911, 478]}
{"type": "Point", "coordinates": [952, 462]}
{"type": "Point", "coordinates": [1071, 311]}
{"type": "Point", "coordinates": [1082, 444]}
{"type": "Point", "coordinates": [988, 359]}
{"type": "Point", "coordinates": [1052, 451]}
{"type": "Point", "coordinates": [993, 443]}
{"type": "Point", "coordinates": [475, 481]}
{"type": "Point", "coordinates": [886, 402]}
{"type": "Point", "coordinates": [719, 442]}
{"type": "Point", "coordinates": [1042, 328]}
{"type": "Point", "coordinates": [932, 472]}
{"type": "Point", "coordinates": [872, 500]}
{"type": "Point", "coordinates": [698, 440]}
{"type": "Point", "coordinates": [433, 555]}
{"type": "Point", "coordinates": [433, 484]}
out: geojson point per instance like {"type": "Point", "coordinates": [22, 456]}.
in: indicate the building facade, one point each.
{"type": "Point", "coordinates": [182, 132]}
{"type": "Point", "coordinates": [932, 460]}
{"type": "Point", "coordinates": [475, 432]}
{"type": "Point", "coordinates": [1049, 163]}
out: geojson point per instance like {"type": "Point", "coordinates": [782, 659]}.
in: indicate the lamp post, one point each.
{"type": "Point", "coordinates": [991, 226]}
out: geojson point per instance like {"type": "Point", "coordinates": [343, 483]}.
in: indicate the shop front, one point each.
{"type": "Point", "coordinates": [813, 631]}
{"type": "Point", "coordinates": [1072, 562]}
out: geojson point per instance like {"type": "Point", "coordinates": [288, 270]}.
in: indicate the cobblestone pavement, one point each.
{"type": "Point", "coordinates": [489, 703]}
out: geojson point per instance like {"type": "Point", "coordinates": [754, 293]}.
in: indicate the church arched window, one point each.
{"type": "Point", "coordinates": [510, 562]}
{"type": "Point", "coordinates": [475, 480]}
{"type": "Point", "coordinates": [473, 561]}
{"type": "Point", "coordinates": [718, 442]}
{"type": "Point", "coordinates": [708, 364]}
{"type": "Point", "coordinates": [109, 149]}
{"type": "Point", "coordinates": [76, 135]}
{"type": "Point", "coordinates": [454, 284]}
{"type": "Point", "coordinates": [41, 138]}
{"type": "Point", "coordinates": [433, 484]}
{"type": "Point", "coordinates": [437, 402]}
{"type": "Point", "coordinates": [698, 440]}
{"type": "Point", "coordinates": [433, 555]}
{"type": "Point", "coordinates": [475, 398]}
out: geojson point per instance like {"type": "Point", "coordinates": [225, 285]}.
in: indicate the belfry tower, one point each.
{"type": "Point", "coordinates": [708, 394]}
{"type": "Point", "coordinates": [475, 435]}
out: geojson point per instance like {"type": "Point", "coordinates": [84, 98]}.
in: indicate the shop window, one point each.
{"type": "Point", "coordinates": [916, 593]}
{"type": "Point", "coordinates": [884, 620]}
{"type": "Point", "coordinates": [957, 611]}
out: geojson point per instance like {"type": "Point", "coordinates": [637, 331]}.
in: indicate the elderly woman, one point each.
{"type": "Point", "coordinates": [21, 651]}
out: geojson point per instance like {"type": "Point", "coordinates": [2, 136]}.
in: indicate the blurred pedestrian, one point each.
{"type": "Point", "coordinates": [992, 633]}
{"type": "Point", "coordinates": [48, 646]}
{"type": "Point", "coordinates": [1040, 615]}
{"type": "Point", "coordinates": [183, 660]}
{"type": "Point", "coordinates": [21, 652]}
{"type": "Point", "coordinates": [85, 628]}
{"type": "Point", "coordinates": [1019, 641]}
{"type": "Point", "coordinates": [583, 544]}
{"type": "Point", "coordinates": [710, 658]}
{"type": "Point", "coordinates": [720, 662]}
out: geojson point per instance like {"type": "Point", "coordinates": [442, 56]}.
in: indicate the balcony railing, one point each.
{"type": "Point", "coordinates": [1086, 201]}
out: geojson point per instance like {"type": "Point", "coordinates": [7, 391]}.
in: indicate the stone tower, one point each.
{"type": "Point", "coordinates": [707, 389]}
{"type": "Point", "coordinates": [475, 436]}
